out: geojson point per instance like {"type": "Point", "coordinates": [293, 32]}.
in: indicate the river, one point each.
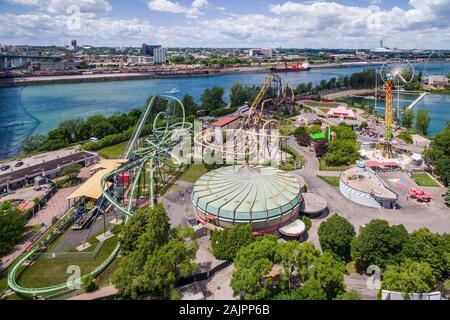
{"type": "Point", "coordinates": [31, 110]}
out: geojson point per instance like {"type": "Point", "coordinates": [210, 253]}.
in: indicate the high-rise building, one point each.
{"type": "Point", "coordinates": [147, 50]}
{"type": "Point", "coordinates": [74, 45]}
{"type": "Point", "coordinates": [159, 56]}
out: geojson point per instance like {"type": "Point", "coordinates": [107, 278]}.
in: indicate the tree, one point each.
{"type": "Point", "coordinates": [212, 99]}
{"type": "Point", "coordinates": [238, 95]}
{"type": "Point", "coordinates": [423, 121]}
{"type": "Point", "coordinates": [321, 147]}
{"type": "Point", "coordinates": [190, 106]}
{"type": "Point", "coordinates": [129, 278]}
{"type": "Point", "coordinates": [426, 246]}
{"type": "Point", "coordinates": [164, 268]}
{"type": "Point", "coordinates": [407, 118]}
{"type": "Point", "coordinates": [409, 277]}
{"type": "Point", "coordinates": [71, 171]}
{"type": "Point", "coordinates": [336, 235]}
{"type": "Point", "coordinates": [341, 152]}
{"type": "Point", "coordinates": [344, 132]}
{"type": "Point", "coordinates": [134, 228]}
{"type": "Point", "coordinates": [304, 140]}
{"type": "Point", "coordinates": [311, 290]}
{"type": "Point", "coordinates": [363, 125]}
{"type": "Point", "coordinates": [226, 243]}
{"type": "Point", "coordinates": [378, 244]}
{"type": "Point", "coordinates": [308, 254]}
{"type": "Point", "coordinates": [12, 226]}
{"type": "Point", "coordinates": [34, 143]}
{"type": "Point", "coordinates": [300, 130]}
{"type": "Point", "coordinates": [252, 265]}
{"type": "Point", "coordinates": [405, 136]}
{"type": "Point", "coordinates": [314, 129]}
{"type": "Point", "coordinates": [330, 274]}
{"type": "Point", "coordinates": [439, 154]}
{"type": "Point", "coordinates": [349, 295]}
{"type": "Point", "coordinates": [447, 197]}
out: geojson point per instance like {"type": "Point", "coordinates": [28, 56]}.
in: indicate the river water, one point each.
{"type": "Point", "coordinates": [31, 110]}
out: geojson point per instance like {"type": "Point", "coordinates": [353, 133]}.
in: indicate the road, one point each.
{"type": "Point", "coordinates": [435, 217]}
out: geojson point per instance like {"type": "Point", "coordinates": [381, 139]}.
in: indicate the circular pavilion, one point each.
{"type": "Point", "coordinates": [265, 197]}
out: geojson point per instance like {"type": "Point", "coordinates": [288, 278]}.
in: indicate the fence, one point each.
{"type": "Point", "coordinates": [204, 275]}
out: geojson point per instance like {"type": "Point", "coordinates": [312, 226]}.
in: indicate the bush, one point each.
{"type": "Point", "coordinates": [405, 136]}
{"type": "Point", "coordinates": [89, 284]}
{"type": "Point", "coordinates": [307, 221]}
{"type": "Point", "coordinates": [336, 235]}
{"type": "Point", "coordinates": [225, 244]}
{"type": "Point", "coordinates": [350, 295]}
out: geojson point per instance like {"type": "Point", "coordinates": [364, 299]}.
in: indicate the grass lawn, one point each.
{"type": "Point", "coordinates": [424, 180]}
{"type": "Point", "coordinates": [333, 181]}
{"type": "Point", "coordinates": [45, 272]}
{"type": "Point", "coordinates": [192, 174]}
{"type": "Point", "coordinates": [325, 167]}
{"type": "Point", "coordinates": [113, 152]}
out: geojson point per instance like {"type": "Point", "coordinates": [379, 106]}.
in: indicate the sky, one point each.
{"type": "Point", "coordinates": [353, 24]}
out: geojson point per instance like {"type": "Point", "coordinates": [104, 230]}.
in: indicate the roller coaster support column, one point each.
{"type": "Point", "coordinates": [388, 135]}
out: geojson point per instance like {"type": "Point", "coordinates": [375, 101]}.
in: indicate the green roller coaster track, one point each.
{"type": "Point", "coordinates": [154, 154]}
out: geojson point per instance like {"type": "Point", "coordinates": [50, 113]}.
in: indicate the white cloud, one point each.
{"type": "Point", "coordinates": [424, 24]}
{"type": "Point", "coordinates": [58, 6]}
{"type": "Point", "coordinates": [192, 11]}
{"type": "Point", "coordinates": [55, 6]}
{"type": "Point", "coordinates": [24, 2]}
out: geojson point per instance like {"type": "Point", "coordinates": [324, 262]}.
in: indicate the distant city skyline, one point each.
{"type": "Point", "coordinates": [351, 24]}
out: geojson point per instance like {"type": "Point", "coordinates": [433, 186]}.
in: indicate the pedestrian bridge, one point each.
{"type": "Point", "coordinates": [412, 105]}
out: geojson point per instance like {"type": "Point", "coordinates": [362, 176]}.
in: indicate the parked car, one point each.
{"type": "Point", "coordinates": [4, 167]}
{"type": "Point", "coordinates": [19, 164]}
{"type": "Point", "coordinates": [93, 139]}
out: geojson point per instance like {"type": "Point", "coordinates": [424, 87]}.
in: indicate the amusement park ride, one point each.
{"type": "Point", "coordinates": [151, 165]}
{"type": "Point", "coordinates": [403, 72]}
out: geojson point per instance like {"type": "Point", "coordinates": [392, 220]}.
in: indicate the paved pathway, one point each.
{"type": "Point", "coordinates": [436, 217]}
{"type": "Point", "coordinates": [100, 293]}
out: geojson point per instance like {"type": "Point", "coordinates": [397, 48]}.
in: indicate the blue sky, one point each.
{"type": "Point", "coordinates": [233, 23]}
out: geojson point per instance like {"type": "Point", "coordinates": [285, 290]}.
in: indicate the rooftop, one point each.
{"type": "Point", "coordinates": [224, 121]}
{"type": "Point", "coordinates": [92, 188]}
{"type": "Point", "coordinates": [243, 192]}
{"type": "Point", "coordinates": [366, 182]}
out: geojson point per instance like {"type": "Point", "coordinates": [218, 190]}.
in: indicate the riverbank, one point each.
{"type": "Point", "coordinates": [62, 79]}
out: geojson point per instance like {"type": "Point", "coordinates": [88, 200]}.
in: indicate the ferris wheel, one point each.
{"type": "Point", "coordinates": [397, 69]}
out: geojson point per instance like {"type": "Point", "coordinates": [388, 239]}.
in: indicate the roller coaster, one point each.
{"type": "Point", "coordinates": [150, 168]}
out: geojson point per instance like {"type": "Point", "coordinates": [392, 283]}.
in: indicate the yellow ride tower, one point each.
{"type": "Point", "coordinates": [388, 135]}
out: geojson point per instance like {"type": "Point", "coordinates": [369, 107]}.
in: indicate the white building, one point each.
{"type": "Point", "coordinates": [265, 52]}
{"type": "Point", "coordinates": [136, 60]}
{"type": "Point", "coordinates": [159, 56]}
{"type": "Point", "coordinates": [436, 81]}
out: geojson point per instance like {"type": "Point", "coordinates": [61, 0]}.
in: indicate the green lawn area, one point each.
{"type": "Point", "coordinates": [325, 167]}
{"type": "Point", "coordinates": [47, 272]}
{"type": "Point", "coordinates": [113, 152]}
{"type": "Point", "coordinates": [194, 172]}
{"type": "Point", "coordinates": [333, 181]}
{"type": "Point", "coordinates": [424, 180]}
